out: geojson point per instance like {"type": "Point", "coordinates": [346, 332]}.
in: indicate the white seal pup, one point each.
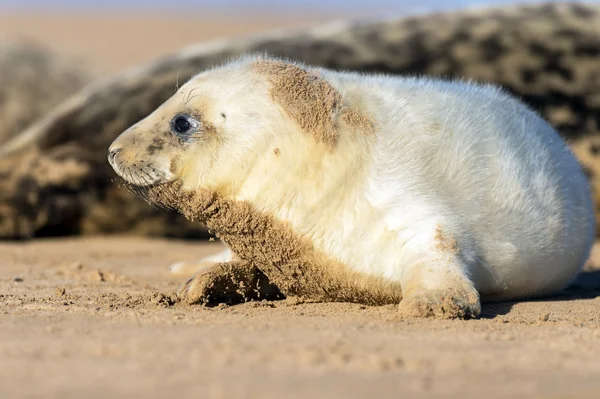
{"type": "Point", "coordinates": [374, 189]}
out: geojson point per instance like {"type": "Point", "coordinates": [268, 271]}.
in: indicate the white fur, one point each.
{"type": "Point", "coordinates": [465, 159]}
{"type": "Point", "coordinates": [190, 268]}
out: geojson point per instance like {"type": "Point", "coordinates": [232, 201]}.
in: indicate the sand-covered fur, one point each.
{"type": "Point", "coordinates": [297, 91]}
{"type": "Point", "coordinates": [291, 262]}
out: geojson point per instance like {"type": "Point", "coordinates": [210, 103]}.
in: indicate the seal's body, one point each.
{"type": "Point", "coordinates": [434, 192]}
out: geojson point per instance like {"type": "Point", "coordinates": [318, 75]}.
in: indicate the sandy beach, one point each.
{"type": "Point", "coordinates": [96, 317]}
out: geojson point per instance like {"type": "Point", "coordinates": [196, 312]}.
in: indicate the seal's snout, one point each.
{"type": "Point", "coordinates": [136, 166]}
{"type": "Point", "coordinates": [112, 153]}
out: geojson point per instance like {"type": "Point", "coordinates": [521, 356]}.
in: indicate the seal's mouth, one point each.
{"type": "Point", "coordinates": [140, 173]}
{"type": "Point", "coordinates": [147, 184]}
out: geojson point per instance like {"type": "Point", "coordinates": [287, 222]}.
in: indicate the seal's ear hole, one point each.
{"type": "Point", "coordinates": [223, 115]}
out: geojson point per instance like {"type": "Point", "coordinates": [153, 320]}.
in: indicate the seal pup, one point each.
{"type": "Point", "coordinates": [365, 188]}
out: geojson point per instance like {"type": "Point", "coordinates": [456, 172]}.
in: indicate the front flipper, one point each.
{"type": "Point", "coordinates": [230, 283]}
{"type": "Point", "coordinates": [442, 304]}
{"type": "Point", "coordinates": [439, 287]}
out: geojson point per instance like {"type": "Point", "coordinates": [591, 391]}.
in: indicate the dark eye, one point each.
{"type": "Point", "coordinates": [183, 124]}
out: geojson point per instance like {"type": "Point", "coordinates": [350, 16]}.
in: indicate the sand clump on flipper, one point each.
{"type": "Point", "coordinates": [289, 261]}
{"type": "Point", "coordinates": [229, 283]}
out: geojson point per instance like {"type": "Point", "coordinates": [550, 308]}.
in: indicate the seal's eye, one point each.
{"type": "Point", "coordinates": [183, 124]}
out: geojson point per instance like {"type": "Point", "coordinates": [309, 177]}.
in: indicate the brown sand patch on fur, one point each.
{"type": "Point", "coordinates": [306, 98]}
{"type": "Point", "coordinates": [289, 261]}
{"type": "Point", "coordinates": [357, 121]}
{"type": "Point", "coordinates": [445, 243]}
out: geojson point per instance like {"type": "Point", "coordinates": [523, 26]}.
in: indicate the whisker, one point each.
{"type": "Point", "coordinates": [190, 93]}
{"type": "Point", "coordinates": [177, 80]}
{"type": "Point", "coordinates": [190, 99]}
{"type": "Point", "coordinates": [142, 183]}
{"type": "Point", "coordinates": [161, 207]}
{"type": "Point", "coordinates": [136, 186]}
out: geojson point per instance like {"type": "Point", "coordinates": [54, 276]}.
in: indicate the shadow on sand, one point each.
{"type": "Point", "coordinates": [585, 286]}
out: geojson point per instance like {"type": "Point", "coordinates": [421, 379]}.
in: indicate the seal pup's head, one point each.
{"type": "Point", "coordinates": [264, 152]}
{"type": "Point", "coordinates": [232, 128]}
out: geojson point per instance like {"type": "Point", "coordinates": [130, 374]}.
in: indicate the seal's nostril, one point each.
{"type": "Point", "coordinates": [112, 154]}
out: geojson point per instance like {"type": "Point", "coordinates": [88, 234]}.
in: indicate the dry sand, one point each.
{"type": "Point", "coordinates": [94, 318]}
